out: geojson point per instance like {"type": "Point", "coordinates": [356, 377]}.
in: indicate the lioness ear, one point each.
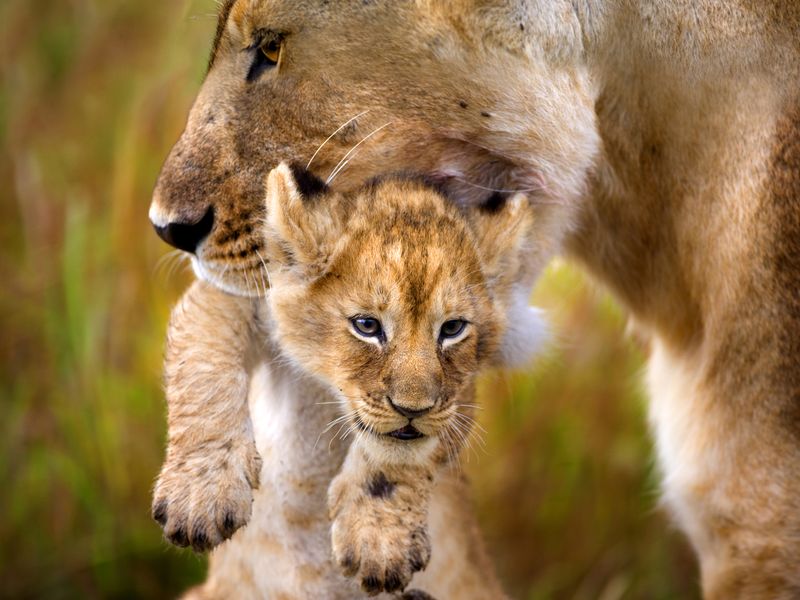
{"type": "Point", "coordinates": [504, 232]}
{"type": "Point", "coordinates": [302, 226]}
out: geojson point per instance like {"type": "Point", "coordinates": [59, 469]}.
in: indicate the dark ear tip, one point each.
{"type": "Point", "coordinates": [308, 184]}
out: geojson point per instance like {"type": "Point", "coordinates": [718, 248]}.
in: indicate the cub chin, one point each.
{"type": "Point", "coordinates": [393, 298]}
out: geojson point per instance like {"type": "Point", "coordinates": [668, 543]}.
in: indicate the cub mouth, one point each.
{"type": "Point", "coordinates": [407, 433]}
{"type": "Point", "coordinates": [404, 434]}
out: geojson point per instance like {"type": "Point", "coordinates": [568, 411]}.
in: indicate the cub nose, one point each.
{"type": "Point", "coordinates": [408, 412]}
{"type": "Point", "coordinates": [186, 236]}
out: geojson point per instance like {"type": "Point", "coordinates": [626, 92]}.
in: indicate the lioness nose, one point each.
{"type": "Point", "coordinates": [186, 236]}
{"type": "Point", "coordinates": [408, 412]}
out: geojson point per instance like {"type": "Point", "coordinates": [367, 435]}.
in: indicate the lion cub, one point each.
{"type": "Point", "coordinates": [392, 298]}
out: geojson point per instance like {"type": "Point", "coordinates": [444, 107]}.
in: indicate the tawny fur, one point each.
{"type": "Point", "coordinates": [426, 264]}
{"type": "Point", "coordinates": [659, 143]}
{"type": "Point", "coordinates": [205, 489]}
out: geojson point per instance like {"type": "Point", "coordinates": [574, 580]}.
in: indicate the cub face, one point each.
{"type": "Point", "coordinates": [477, 100]}
{"type": "Point", "coordinates": [392, 296]}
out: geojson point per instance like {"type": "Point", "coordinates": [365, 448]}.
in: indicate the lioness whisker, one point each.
{"type": "Point", "coordinates": [168, 263]}
{"type": "Point", "coordinates": [247, 283]}
{"type": "Point", "coordinates": [266, 270]}
{"type": "Point", "coordinates": [342, 126]}
{"type": "Point", "coordinates": [224, 270]}
{"type": "Point", "coordinates": [255, 282]}
{"type": "Point", "coordinates": [344, 160]}
{"type": "Point", "coordinates": [257, 279]}
{"type": "Point", "coordinates": [256, 285]}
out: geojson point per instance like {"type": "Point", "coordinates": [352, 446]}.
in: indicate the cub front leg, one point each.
{"type": "Point", "coordinates": [204, 492]}
{"type": "Point", "coordinates": [379, 521]}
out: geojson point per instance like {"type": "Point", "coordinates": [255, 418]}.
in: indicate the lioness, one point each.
{"type": "Point", "coordinates": [392, 299]}
{"type": "Point", "coordinates": [664, 137]}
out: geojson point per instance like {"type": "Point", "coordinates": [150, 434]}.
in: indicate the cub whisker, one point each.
{"type": "Point", "coordinates": [340, 419]}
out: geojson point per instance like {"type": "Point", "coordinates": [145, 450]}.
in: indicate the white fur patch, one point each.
{"type": "Point", "coordinates": [686, 458]}
{"type": "Point", "coordinates": [158, 216]}
{"type": "Point", "coordinates": [205, 274]}
{"type": "Point", "coordinates": [391, 452]}
{"type": "Point", "coordinates": [526, 332]}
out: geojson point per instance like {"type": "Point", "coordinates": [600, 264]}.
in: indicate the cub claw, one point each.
{"type": "Point", "coordinates": [381, 540]}
{"type": "Point", "coordinates": [160, 512]}
{"type": "Point", "coordinates": [178, 537]}
{"type": "Point", "coordinates": [202, 501]}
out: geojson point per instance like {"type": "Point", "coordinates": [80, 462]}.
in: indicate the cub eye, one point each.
{"type": "Point", "coordinates": [452, 329]}
{"type": "Point", "coordinates": [367, 326]}
{"type": "Point", "coordinates": [267, 54]}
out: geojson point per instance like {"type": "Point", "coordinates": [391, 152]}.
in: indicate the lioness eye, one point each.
{"type": "Point", "coordinates": [367, 326]}
{"type": "Point", "coordinates": [452, 329]}
{"type": "Point", "coordinates": [271, 51]}
{"type": "Point", "coordinates": [266, 56]}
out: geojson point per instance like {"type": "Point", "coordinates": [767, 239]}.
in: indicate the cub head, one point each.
{"type": "Point", "coordinates": [477, 95]}
{"type": "Point", "coordinates": [395, 298]}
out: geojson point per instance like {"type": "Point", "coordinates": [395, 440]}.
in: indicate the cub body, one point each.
{"type": "Point", "coordinates": [384, 304]}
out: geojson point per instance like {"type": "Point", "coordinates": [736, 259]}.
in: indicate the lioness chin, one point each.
{"type": "Point", "coordinates": [660, 145]}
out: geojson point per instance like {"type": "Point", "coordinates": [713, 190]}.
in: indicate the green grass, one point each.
{"type": "Point", "coordinates": [92, 95]}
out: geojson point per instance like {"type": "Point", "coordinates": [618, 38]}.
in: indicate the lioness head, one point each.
{"type": "Point", "coordinates": [484, 97]}
{"type": "Point", "coordinates": [392, 296]}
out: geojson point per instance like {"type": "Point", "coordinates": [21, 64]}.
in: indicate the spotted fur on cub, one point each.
{"type": "Point", "coordinates": [391, 298]}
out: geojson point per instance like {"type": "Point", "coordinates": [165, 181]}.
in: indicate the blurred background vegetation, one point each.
{"type": "Point", "coordinates": [92, 95]}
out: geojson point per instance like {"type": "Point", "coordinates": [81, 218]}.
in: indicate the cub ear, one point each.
{"type": "Point", "coordinates": [504, 231]}
{"type": "Point", "coordinates": [302, 226]}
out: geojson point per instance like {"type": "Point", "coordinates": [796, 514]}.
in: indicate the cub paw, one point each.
{"type": "Point", "coordinates": [202, 498]}
{"type": "Point", "coordinates": [378, 531]}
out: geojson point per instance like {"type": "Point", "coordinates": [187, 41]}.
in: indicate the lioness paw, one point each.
{"type": "Point", "coordinates": [202, 498]}
{"type": "Point", "coordinates": [378, 531]}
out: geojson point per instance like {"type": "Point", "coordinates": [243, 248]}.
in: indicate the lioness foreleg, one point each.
{"type": "Point", "coordinates": [731, 476]}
